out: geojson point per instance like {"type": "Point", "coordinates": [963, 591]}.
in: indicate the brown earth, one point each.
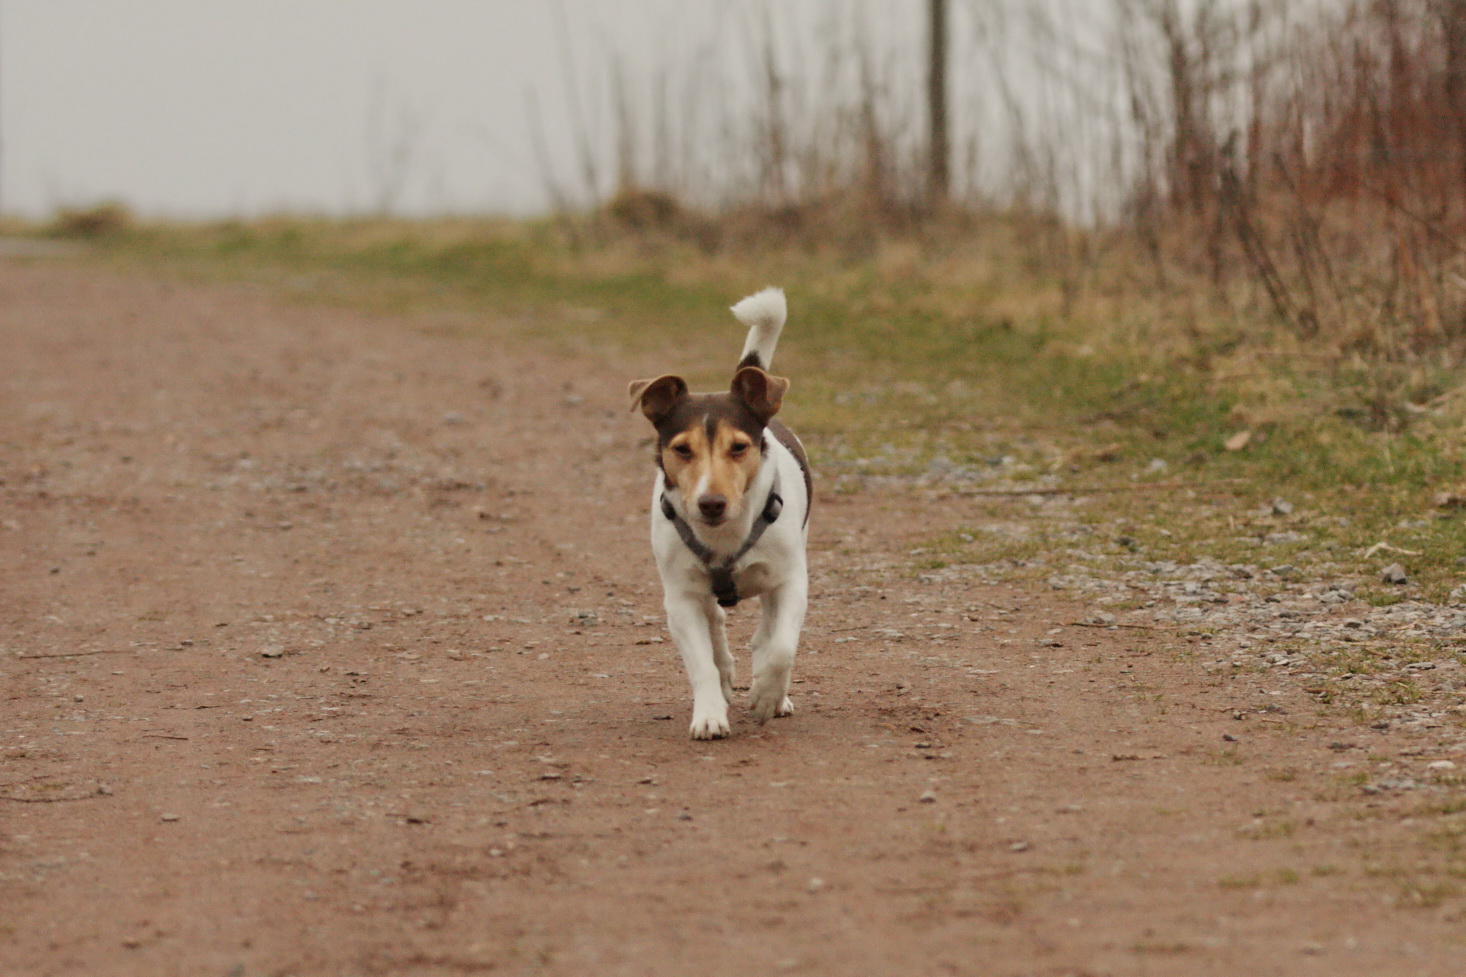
{"type": "Point", "coordinates": [332, 645]}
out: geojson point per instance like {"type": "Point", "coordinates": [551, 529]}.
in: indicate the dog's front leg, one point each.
{"type": "Point", "coordinates": [689, 621]}
{"type": "Point", "coordinates": [722, 657]}
{"type": "Point", "coordinates": [773, 656]}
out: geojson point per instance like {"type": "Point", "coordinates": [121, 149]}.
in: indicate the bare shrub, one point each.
{"type": "Point", "coordinates": [1318, 150]}
{"type": "Point", "coordinates": [1303, 161]}
{"type": "Point", "coordinates": [99, 221]}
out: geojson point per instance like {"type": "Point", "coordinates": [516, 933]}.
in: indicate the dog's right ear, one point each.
{"type": "Point", "coordinates": [656, 398]}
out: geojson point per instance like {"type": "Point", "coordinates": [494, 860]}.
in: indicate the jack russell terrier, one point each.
{"type": "Point", "coordinates": [730, 519]}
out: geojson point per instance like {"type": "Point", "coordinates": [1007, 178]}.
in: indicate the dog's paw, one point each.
{"type": "Point", "coordinates": [767, 701]}
{"type": "Point", "coordinates": [709, 727]}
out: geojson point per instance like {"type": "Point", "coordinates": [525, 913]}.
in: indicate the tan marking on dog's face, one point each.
{"type": "Point", "coordinates": [712, 459]}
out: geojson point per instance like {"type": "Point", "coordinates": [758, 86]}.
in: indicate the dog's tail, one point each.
{"type": "Point", "coordinates": [764, 314]}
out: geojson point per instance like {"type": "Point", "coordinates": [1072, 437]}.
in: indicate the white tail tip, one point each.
{"type": "Point", "coordinates": [765, 309]}
{"type": "Point", "coordinates": [763, 313]}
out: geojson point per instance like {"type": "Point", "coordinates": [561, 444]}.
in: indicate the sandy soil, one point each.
{"type": "Point", "coordinates": [331, 644]}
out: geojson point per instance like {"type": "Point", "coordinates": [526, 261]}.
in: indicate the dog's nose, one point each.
{"type": "Point", "coordinates": [712, 506]}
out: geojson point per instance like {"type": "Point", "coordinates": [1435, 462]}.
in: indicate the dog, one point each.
{"type": "Point", "coordinates": [730, 520]}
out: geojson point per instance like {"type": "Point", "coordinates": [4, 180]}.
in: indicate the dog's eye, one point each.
{"type": "Point", "coordinates": [683, 451]}
{"type": "Point", "coordinates": [738, 450]}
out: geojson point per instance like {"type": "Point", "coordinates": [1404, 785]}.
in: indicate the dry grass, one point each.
{"type": "Point", "coordinates": [1273, 179]}
{"type": "Point", "coordinates": [956, 345]}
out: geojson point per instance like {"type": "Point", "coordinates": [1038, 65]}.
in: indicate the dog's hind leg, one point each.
{"type": "Point", "coordinates": [688, 620]}
{"type": "Point", "coordinates": [773, 656]}
{"type": "Point", "coordinates": [722, 657]}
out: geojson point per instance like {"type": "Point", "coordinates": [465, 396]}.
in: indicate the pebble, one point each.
{"type": "Point", "coordinates": [1178, 593]}
{"type": "Point", "coordinates": [1244, 614]}
{"type": "Point", "coordinates": [1395, 574]}
{"type": "Point", "coordinates": [1019, 846]}
{"type": "Point", "coordinates": [928, 797]}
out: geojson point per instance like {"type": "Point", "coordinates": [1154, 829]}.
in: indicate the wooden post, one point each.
{"type": "Point", "coordinates": [938, 174]}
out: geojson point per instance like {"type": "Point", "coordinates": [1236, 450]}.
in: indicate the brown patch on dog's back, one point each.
{"type": "Point", "coordinates": [791, 441]}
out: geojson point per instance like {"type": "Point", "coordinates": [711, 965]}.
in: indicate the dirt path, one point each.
{"type": "Point", "coordinates": [332, 646]}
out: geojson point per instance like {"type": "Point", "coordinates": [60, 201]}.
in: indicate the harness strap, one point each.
{"type": "Point", "coordinates": [720, 572]}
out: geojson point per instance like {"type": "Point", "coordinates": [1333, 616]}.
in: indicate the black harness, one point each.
{"type": "Point", "coordinates": [721, 571]}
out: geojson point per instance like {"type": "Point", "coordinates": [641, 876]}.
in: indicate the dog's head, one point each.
{"type": "Point", "coordinates": [710, 445]}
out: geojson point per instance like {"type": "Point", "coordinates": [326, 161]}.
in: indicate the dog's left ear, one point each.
{"type": "Point", "coordinates": [764, 394]}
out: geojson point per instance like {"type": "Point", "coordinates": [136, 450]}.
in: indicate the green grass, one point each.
{"type": "Point", "coordinates": [966, 352]}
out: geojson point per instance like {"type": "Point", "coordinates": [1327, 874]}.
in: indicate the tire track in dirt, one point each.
{"type": "Point", "coordinates": [371, 679]}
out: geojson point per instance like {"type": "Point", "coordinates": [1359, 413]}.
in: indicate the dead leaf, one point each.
{"type": "Point", "coordinates": [1382, 546]}
{"type": "Point", "coordinates": [1237, 441]}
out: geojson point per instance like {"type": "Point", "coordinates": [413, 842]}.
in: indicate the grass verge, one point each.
{"type": "Point", "coordinates": [963, 360]}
